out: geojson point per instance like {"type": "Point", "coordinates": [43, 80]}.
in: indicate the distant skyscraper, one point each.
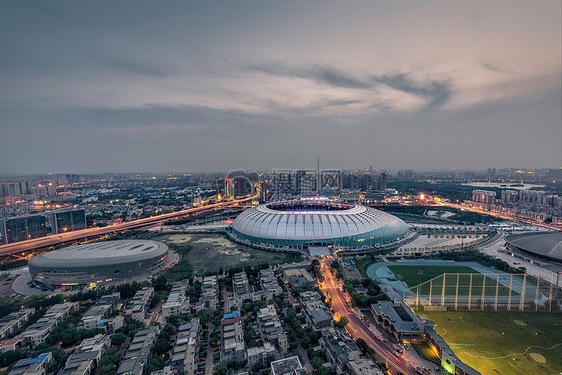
{"type": "Point", "coordinates": [67, 221]}
{"type": "Point", "coordinates": [381, 182]}
{"type": "Point", "coordinates": [330, 180]}
{"type": "Point", "coordinates": [305, 182]}
{"type": "Point", "coordinates": [23, 228]}
{"type": "Point", "coordinates": [284, 184]}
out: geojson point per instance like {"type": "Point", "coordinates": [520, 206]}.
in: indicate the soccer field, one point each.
{"type": "Point", "coordinates": [502, 343]}
{"type": "Point", "coordinates": [409, 274]}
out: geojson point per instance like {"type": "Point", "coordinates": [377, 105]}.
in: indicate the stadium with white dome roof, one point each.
{"type": "Point", "coordinates": [312, 222]}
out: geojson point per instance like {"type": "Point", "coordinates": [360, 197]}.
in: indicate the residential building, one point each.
{"type": "Point", "coordinates": [87, 356]}
{"type": "Point", "coordinates": [271, 330]}
{"type": "Point", "coordinates": [287, 366]}
{"type": "Point", "coordinates": [187, 346]}
{"type": "Point", "coordinates": [14, 321]}
{"type": "Point", "coordinates": [242, 290]}
{"type": "Point", "coordinates": [38, 331]}
{"type": "Point", "coordinates": [344, 355]}
{"type": "Point", "coordinates": [270, 288]}
{"type": "Point", "coordinates": [298, 278]}
{"type": "Point", "coordinates": [177, 302]}
{"type": "Point", "coordinates": [137, 308]}
{"type": "Point", "coordinates": [233, 347]}
{"type": "Point", "coordinates": [23, 228]}
{"type": "Point", "coordinates": [316, 314]}
{"type": "Point", "coordinates": [139, 353]}
{"type": "Point", "coordinates": [68, 220]}
{"type": "Point", "coordinates": [32, 366]}
{"type": "Point", "coordinates": [209, 294]}
{"type": "Point", "coordinates": [259, 354]}
{"type": "Point", "coordinates": [95, 316]}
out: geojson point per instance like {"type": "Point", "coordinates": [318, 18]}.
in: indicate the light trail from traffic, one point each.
{"type": "Point", "coordinates": [55, 239]}
{"type": "Point", "coordinates": [356, 328]}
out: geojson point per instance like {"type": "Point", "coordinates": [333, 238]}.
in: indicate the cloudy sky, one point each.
{"type": "Point", "coordinates": [190, 86]}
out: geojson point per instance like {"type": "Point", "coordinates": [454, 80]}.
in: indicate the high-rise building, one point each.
{"type": "Point", "coordinates": [330, 180]}
{"type": "Point", "coordinates": [284, 184]}
{"type": "Point", "coordinates": [67, 221]}
{"type": "Point", "coordinates": [23, 228]}
{"type": "Point", "coordinates": [305, 182]}
{"type": "Point", "coordinates": [381, 182]}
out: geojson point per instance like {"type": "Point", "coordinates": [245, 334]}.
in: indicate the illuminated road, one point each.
{"type": "Point", "coordinates": [356, 328]}
{"type": "Point", "coordinates": [55, 239]}
{"type": "Point", "coordinates": [474, 209]}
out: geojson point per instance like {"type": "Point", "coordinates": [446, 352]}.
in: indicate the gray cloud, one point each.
{"type": "Point", "coordinates": [320, 73]}
{"type": "Point", "coordinates": [494, 67]}
{"type": "Point", "coordinates": [435, 92]}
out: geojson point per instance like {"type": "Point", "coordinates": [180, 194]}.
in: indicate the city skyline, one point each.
{"type": "Point", "coordinates": [130, 87]}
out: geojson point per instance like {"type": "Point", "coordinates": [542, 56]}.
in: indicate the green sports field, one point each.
{"type": "Point", "coordinates": [503, 343]}
{"type": "Point", "coordinates": [409, 274]}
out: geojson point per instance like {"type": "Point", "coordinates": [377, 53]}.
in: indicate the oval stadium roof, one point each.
{"type": "Point", "coordinates": [544, 244]}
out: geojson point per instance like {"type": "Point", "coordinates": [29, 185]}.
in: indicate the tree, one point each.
{"type": "Point", "coordinates": [160, 283]}
{"type": "Point", "coordinates": [118, 339]}
{"type": "Point", "coordinates": [220, 369]}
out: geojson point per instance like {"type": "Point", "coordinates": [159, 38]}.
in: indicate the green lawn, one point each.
{"type": "Point", "coordinates": [409, 274]}
{"type": "Point", "coordinates": [503, 343]}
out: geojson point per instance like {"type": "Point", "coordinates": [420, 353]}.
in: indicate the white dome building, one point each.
{"type": "Point", "coordinates": [297, 224]}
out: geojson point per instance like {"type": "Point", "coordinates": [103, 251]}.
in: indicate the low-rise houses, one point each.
{"type": "Point", "coordinates": [32, 366]}
{"type": "Point", "coordinates": [177, 302]}
{"type": "Point", "coordinates": [233, 347]}
{"type": "Point", "coordinates": [12, 344]}
{"type": "Point", "coordinates": [38, 332]}
{"type": "Point", "coordinates": [271, 330]}
{"type": "Point", "coordinates": [241, 289]}
{"type": "Point", "coordinates": [209, 294]}
{"type": "Point", "coordinates": [287, 366]}
{"type": "Point", "coordinates": [186, 348]}
{"type": "Point", "coordinates": [137, 308]}
{"type": "Point", "coordinates": [270, 288]}
{"type": "Point", "coordinates": [344, 356]}
{"type": "Point", "coordinates": [139, 353]}
{"type": "Point", "coordinates": [87, 356]}
{"type": "Point", "coordinates": [316, 314]}
{"type": "Point", "coordinates": [14, 321]}
{"type": "Point", "coordinates": [94, 317]}
{"type": "Point", "coordinates": [298, 278]}
{"type": "Point", "coordinates": [259, 354]}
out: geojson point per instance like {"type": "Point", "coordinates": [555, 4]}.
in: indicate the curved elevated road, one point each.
{"type": "Point", "coordinates": [55, 239]}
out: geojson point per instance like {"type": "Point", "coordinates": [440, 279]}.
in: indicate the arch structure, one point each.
{"type": "Point", "coordinates": [98, 262]}
{"type": "Point", "coordinates": [308, 222]}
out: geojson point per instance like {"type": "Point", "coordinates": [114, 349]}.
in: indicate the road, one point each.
{"type": "Point", "coordinates": [356, 328]}
{"type": "Point", "coordinates": [55, 239]}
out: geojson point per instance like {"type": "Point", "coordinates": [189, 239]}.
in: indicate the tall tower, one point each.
{"type": "Point", "coordinates": [318, 181]}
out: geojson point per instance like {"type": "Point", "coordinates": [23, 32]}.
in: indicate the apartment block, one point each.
{"type": "Point", "coordinates": [271, 330]}
{"type": "Point", "coordinates": [186, 348]}
{"type": "Point", "coordinates": [139, 353]}
{"type": "Point", "coordinates": [137, 308]}
{"type": "Point", "coordinates": [177, 302]}
{"type": "Point", "coordinates": [87, 356]}
{"type": "Point", "coordinates": [14, 321]}
{"type": "Point", "coordinates": [316, 314]}
{"type": "Point", "coordinates": [95, 316]}
{"type": "Point", "coordinates": [38, 332]}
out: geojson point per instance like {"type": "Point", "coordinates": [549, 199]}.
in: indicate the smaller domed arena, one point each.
{"type": "Point", "coordinates": [98, 262]}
